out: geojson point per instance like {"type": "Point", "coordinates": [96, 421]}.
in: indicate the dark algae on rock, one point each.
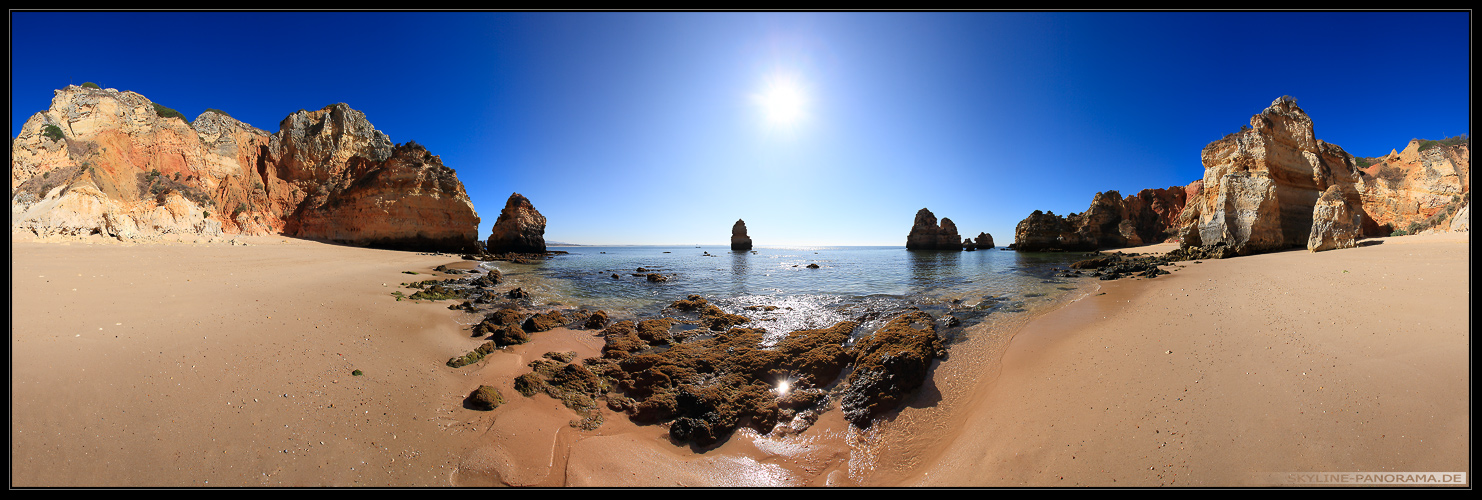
{"type": "Point", "coordinates": [720, 377]}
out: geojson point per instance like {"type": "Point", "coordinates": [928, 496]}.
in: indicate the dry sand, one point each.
{"type": "Point", "coordinates": [214, 364]}
{"type": "Point", "coordinates": [1233, 373]}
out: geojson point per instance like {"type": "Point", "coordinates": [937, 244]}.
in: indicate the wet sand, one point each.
{"type": "Point", "coordinates": [213, 364]}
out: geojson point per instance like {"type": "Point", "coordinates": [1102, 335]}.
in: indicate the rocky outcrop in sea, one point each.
{"type": "Point", "coordinates": [926, 234]}
{"type": "Point", "coordinates": [519, 229]}
{"type": "Point", "coordinates": [740, 242]}
{"type": "Point", "coordinates": [101, 161]}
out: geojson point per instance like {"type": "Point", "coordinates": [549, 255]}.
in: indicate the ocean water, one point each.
{"type": "Point", "coordinates": [866, 284]}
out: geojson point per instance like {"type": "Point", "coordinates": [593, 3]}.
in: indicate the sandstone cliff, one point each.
{"type": "Point", "coordinates": [1418, 188]}
{"type": "Point", "coordinates": [100, 161]}
{"type": "Point", "coordinates": [1262, 186]}
{"type": "Point", "coordinates": [927, 235]}
{"type": "Point", "coordinates": [519, 229]}
{"type": "Point", "coordinates": [739, 240]}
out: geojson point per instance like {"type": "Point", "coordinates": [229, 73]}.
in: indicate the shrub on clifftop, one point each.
{"type": "Point", "coordinates": [51, 132]}
{"type": "Point", "coordinates": [165, 112]}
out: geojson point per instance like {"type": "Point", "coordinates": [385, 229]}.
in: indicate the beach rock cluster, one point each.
{"type": "Point", "coordinates": [574, 385]}
{"type": "Point", "coordinates": [519, 229]}
{"type": "Point", "coordinates": [1114, 266]}
{"type": "Point", "coordinates": [740, 242]}
{"type": "Point", "coordinates": [707, 386]}
{"type": "Point", "coordinates": [926, 234]}
{"type": "Point", "coordinates": [112, 163]}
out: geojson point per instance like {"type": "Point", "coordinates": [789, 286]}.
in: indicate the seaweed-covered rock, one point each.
{"type": "Point", "coordinates": [710, 387]}
{"type": "Point", "coordinates": [656, 278]}
{"type": "Point", "coordinates": [889, 364]}
{"type": "Point", "coordinates": [622, 340]}
{"type": "Point", "coordinates": [692, 303]}
{"type": "Point", "coordinates": [714, 318]}
{"type": "Point", "coordinates": [596, 321]}
{"type": "Point", "coordinates": [517, 293]}
{"type": "Point", "coordinates": [485, 398]}
{"type": "Point", "coordinates": [504, 335]}
{"type": "Point", "coordinates": [473, 356]}
{"type": "Point", "coordinates": [545, 322]}
{"type": "Point", "coordinates": [655, 331]}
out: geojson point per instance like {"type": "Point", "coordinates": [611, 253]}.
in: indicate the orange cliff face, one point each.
{"type": "Point", "coordinates": [100, 161]}
{"type": "Point", "coordinates": [1408, 189]}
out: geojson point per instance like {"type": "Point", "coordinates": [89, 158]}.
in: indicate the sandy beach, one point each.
{"type": "Point", "coordinates": [216, 364]}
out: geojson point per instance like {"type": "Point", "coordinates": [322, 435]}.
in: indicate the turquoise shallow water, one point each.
{"type": "Point", "coordinates": [851, 283]}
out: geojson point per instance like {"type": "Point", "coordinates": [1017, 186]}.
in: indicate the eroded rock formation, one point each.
{"type": "Point", "coordinates": [100, 161]}
{"type": "Point", "coordinates": [519, 229]}
{"type": "Point", "coordinates": [1262, 185]}
{"type": "Point", "coordinates": [739, 240]}
{"type": "Point", "coordinates": [927, 235]}
{"type": "Point", "coordinates": [984, 241]}
{"type": "Point", "coordinates": [1148, 217]}
{"type": "Point", "coordinates": [1044, 231]}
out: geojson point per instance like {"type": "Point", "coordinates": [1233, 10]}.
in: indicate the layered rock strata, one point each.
{"type": "Point", "coordinates": [1262, 186]}
{"type": "Point", "coordinates": [100, 161]}
{"type": "Point", "coordinates": [519, 229]}
{"type": "Point", "coordinates": [740, 242]}
{"type": "Point", "coordinates": [1420, 187]}
{"type": "Point", "coordinates": [926, 234]}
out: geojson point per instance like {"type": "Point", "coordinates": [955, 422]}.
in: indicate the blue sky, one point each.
{"type": "Point", "coordinates": [816, 128]}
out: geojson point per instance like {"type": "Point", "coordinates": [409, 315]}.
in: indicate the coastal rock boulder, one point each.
{"type": "Point", "coordinates": [739, 240]}
{"type": "Point", "coordinates": [519, 229]}
{"type": "Point", "coordinates": [1262, 184]}
{"type": "Point", "coordinates": [927, 235]}
{"type": "Point", "coordinates": [1335, 222]}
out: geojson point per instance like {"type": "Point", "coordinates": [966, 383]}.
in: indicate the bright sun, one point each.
{"type": "Point", "coordinates": [783, 101]}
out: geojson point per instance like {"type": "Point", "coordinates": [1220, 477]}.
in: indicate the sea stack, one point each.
{"type": "Point", "coordinates": [984, 241]}
{"type": "Point", "coordinates": [739, 240]}
{"type": "Point", "coordinates": [927, 235]}
{"type": "Point", "coordinates": [519, 229]}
